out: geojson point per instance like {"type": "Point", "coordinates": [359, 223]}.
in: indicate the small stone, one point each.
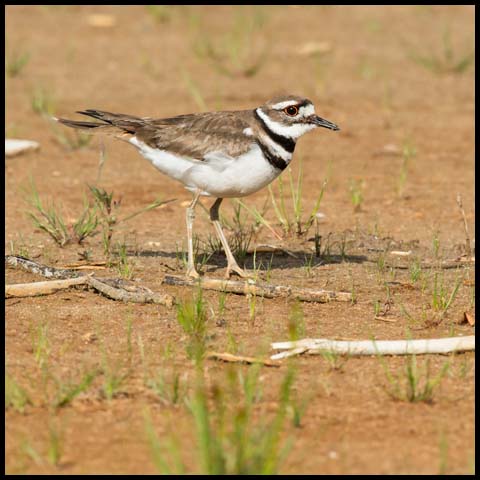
{"type": "Point", "coordinates": [89, 337]}
{"type": "Point", "coordinates": [314, 48]}
{"type": "Point", "coordinates": [101, 20]}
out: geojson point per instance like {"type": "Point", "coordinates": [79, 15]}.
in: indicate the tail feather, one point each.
{"type": "Point", "coordinates": [91, 127]}
{"type": "Point", "coordinates": [113, 123]}
{"type": "Point", "coordinates": [78, 124]}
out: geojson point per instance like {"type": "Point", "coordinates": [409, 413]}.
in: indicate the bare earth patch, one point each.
{"type": "Point", "coordinates": [95, 385]}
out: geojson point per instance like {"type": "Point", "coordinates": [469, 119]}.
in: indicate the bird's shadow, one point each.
{"type": "Point", "coordinates": [275, 260]}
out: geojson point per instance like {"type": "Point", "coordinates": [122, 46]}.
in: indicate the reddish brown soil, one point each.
{"type": "Point", "coordinates": [369, 85]}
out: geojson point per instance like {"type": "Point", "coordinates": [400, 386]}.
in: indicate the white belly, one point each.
{"type": "Point", "coordinates": [216, 175]}
{"type": "Point", "coordinates": [226, 177]}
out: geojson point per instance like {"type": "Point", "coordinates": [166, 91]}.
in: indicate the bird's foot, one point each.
{"type": "Point", "coordinates": [235, 269]}
{"type": "Point", "coordinates": [192, 273]}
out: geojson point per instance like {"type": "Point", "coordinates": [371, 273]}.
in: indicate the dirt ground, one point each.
{"type": "Point", "coordinates": [391, 78]}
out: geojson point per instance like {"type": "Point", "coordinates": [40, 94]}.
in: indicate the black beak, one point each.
{"type": "Point", "coordinates": [321, 122]}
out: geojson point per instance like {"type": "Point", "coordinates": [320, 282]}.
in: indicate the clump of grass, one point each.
{"type": "Point", "coordinates": [40, 343]}
{"type": "Point", "coordinates": [68, 391]}
{"type": "Point", "coordinates": [442, 298]}
{"type": "Point", "coordinates": [50, 220]}
{"type": "Point", "coordinates": [124, 266]}
{"type": "Point", "coordinates": [15, 396]}
{"type": "Point", "coordinates": [356, 194]}
{"type": "Point", "coordinates": [43, 102]}
{"type": "Point", "coordinates": [436, 245]}
{"type": "Point", "coordinates": [160, 13]}
{"type": "Point", "coordinates": [257, 215]}
{"type": "Point", "coordinates": [414, 384]}
{"type": "Point", "coordinates": [107, 208]}
{"type": "Point", "coordinates": [192, 317]}
{"type": "Point", "coordinates": [230, 438]}
{"type": "Point", "coordinates": [170, 390]}
{"type": "Point", "coordinates": [239, 52]}
{"type": "Point", "coordinates": [296, 225]}
{"type": "Point", "coordinates": [55, 447]}
{"type": "Point", "coordinates": [114, 376]}
{"type": "Point", "coordinates": [443, 450]}
{"type": "Point", "coordinates": [447, 61]}
{"type": "Point", "coordinates": [86, 224]}
{"type": "Point", "coordinates": [15, 63]}
{"type": "Point", "coordinates": [71, 140]}
{"type": "Point", "coordinates": [115, 371]}
{"type": "Point", "coordinates": [415, 271]}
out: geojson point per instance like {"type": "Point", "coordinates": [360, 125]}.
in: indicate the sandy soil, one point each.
{"type": "Point", "coordinates": [361, 75]}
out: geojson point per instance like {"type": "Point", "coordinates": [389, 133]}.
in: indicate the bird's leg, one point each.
{"type": "Point", "coordinates": [232, 266]}
{"type": "Point", "coordinates": [191, 270]}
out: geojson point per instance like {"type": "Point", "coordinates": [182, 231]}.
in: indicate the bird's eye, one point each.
{"type": "Point", "coordinates": [291, 111]}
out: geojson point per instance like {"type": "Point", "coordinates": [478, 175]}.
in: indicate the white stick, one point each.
{"type": "Point", "coordinates": [371, 347]}
{"type": "Point", "coordinates": [41, 288]}
{"type": "Point", "coordinates": [14, 147]}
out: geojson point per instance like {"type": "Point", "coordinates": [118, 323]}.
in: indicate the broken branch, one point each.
{"type": "Point", "coordinates": [228, 357]}
{"type": "Point", "coordinates": [111, 288]}
{"type": "Point", "coordinates": [41, 288]}
{"type": "Point", "coordinates": [374, 347]}
{"type": "Point", "coordinates": [260, 289]}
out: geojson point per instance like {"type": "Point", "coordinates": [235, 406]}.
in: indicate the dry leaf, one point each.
{"type": "Point", "coordinates": [470, 318]}
{"type": "Point", "coordinates": [400, 253]}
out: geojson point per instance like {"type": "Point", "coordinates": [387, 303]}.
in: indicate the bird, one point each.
{"type": "Point", "coordinates": [222, 154]}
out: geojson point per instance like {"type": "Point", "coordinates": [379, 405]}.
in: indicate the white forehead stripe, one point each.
{"type": "Point", "coordinates": [282, 105]}
{"type": "Point", "coordinates": [289, 131]}
{"type": "Point", "coordinates": [307, 110]}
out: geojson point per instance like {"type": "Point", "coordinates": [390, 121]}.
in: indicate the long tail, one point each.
{"type": "Point", "coordinates": [117, 124]}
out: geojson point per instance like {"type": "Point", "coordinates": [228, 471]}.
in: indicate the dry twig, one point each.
{"type": "Point", "coordinates": [42, 288]}
{"type": "Point", "coordinates": [374, 347]}
{"type": "Point", "coordinates": [116, 289]}
{"type": "Point", "coordinates": [228, 357]}
{"type": "Point", "coordinates": [260, 289]}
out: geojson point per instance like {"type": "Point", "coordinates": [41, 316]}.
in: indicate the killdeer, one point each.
{"type": "Point", "coordinates": [216, 154]}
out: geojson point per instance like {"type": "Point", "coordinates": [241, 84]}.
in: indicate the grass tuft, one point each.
{"type": "Point", "coordinates": [242, 51]}
{"type": "Point", "coordinates": [295, 225]}
{"type": "Point", "coordinates": [15, 396]}
{"type": "Point", "coordinates": [192, 317]}
{"type": "Point", "coordinates": [15, 63]}
{"type": "Point", "coordinates": [447, 61]}
{"type": "Point", "coordinates": [414, 384]}
{"type": "Point", "coordinates": [230, 436]}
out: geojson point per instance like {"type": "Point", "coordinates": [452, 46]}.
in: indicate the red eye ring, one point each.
{"type": "Point", "coordinates": [291, 111]}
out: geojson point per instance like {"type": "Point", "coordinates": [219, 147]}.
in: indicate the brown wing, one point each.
{"type": "Point", "coordinates": [192, 135]}
{"type": "Point", "coordinates": [197, 135]}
